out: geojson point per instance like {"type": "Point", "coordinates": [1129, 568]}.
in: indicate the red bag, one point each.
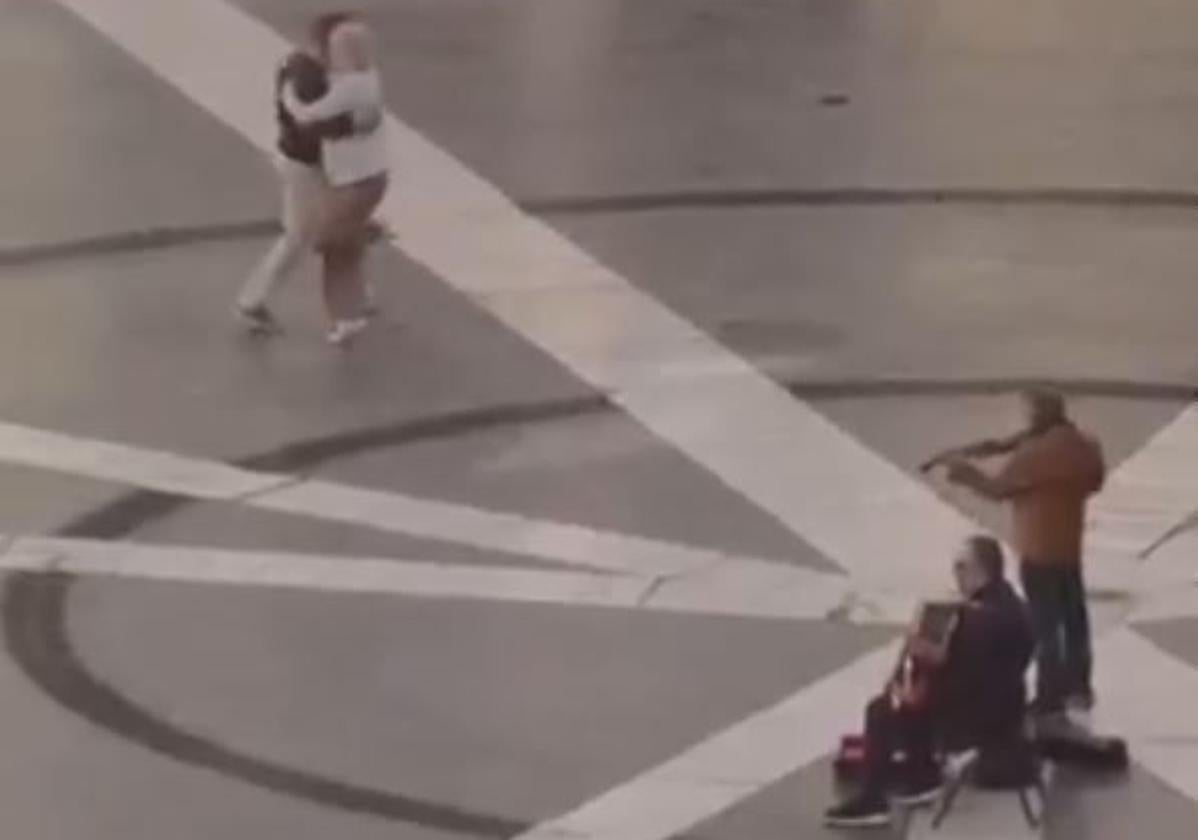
{"type": "Point", "coordinates": [850, 758]}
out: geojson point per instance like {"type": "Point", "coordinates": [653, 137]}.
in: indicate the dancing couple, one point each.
{"type": "Point", "coordinates": [332, 165]}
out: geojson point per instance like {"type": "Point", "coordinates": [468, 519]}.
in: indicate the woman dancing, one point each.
{"type": "Point", "coordinates": [356, 168]}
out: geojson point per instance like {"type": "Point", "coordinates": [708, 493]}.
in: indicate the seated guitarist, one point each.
{"type": "Point", "coordinates": [958, 684]}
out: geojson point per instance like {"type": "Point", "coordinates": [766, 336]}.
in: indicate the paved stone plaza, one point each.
{"type": "Point", "coordinates": [606, 528]}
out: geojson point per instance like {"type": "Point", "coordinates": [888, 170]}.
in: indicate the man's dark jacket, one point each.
{"type": "Point", "coordinates": [309, 80]}
{"type": "Point", "coordinates": [980, 694]}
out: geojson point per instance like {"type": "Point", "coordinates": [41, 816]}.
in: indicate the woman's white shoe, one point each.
{"type": "Point", "coordinates": [345, 331]}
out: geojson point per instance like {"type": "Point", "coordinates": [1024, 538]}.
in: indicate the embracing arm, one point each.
{"type": "Point", "coordinates": [342, 125]}
{"type": "Point", "coordinates": [338, 100]}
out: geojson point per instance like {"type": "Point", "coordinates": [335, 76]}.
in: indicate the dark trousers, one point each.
{"type": "Point", "coordinates": [889, 731]}
{"type": "Point", "coordinates": [1056, 598]}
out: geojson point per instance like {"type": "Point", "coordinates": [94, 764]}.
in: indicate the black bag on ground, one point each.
{"type": "Point", "coordinates": [1085, 752]}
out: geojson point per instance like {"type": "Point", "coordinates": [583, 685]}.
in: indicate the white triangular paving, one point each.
{"type": "Point", "coordinates": [391, 512]}
{"type": "Point", "coordinates": [1149, 697]}
{"type": "Point", "coordinates": [824, 596]}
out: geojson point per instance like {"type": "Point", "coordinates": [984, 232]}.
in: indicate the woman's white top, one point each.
{"type": "Point", "coordinates": [362, 154]}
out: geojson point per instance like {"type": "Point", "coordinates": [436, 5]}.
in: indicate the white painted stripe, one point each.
{"type": "Point", "coordinates": [145, 468]}
{"type": "Point", "coordinates": [731, 765]}
{"type": "Point", "coordinates": [1149, 696]}
{"type": "Point", "coordinates": [1145, 694]}
{"type": "Point", "coordinates": [391, 512]}
{"type": "Point", "coordinates": [317, 572]}
{"type": "Point", "coordinates": [1152, 492]}
{"type": "Point", "coordinates": [334, 573]}
{"type": "Point", "coordinates": [492, 530]}
{"type": "Point", "coordinates": [841, 497]}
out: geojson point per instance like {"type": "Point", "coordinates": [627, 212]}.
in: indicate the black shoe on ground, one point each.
{"type": "Point", "coordinates": [863, 811]}
{"type": "Point", "coordinates": [923, 789]}
{"type": "Point", "coordinates": [257, 319]}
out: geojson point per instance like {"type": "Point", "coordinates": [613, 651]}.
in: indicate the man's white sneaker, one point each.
{"type": "Point", "coordinates": [257, 319]}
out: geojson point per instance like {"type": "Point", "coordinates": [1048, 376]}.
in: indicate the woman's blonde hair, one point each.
{"type": "Point", "coordinates": [351, 46]}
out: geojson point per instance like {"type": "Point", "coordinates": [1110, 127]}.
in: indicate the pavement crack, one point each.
{"type": "Point", "coordinates": [283, 482]}
{"type": "Point", "coordinates": [652, 589]}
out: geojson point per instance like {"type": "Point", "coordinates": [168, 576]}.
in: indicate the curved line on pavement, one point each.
{"type": "Point", "coordinates": [734, 198]}
{"type": "Point", "coordinates": [731, 198]}
{"type": "Point", "coordinates": [137, 508]}
{"type": "Point", "coordinates": [35, 628]}
{"type": "Point", "coordinates": [136, 240]}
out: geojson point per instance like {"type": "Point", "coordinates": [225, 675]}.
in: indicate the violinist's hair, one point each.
{"type": "Point", "coordinates": [1049, 402]}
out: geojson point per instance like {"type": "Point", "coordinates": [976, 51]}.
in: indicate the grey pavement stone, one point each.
{"type": "Point", "coordinates": [597, 470]}
{"type": "Point", "coordinates": [950, 292]}
{"type": "Point", "coordinates": [96, 145]}
{"type": "Point", "coordinates": [521, 711]}
{"type": "Point", "coordinates": [616, 96]}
